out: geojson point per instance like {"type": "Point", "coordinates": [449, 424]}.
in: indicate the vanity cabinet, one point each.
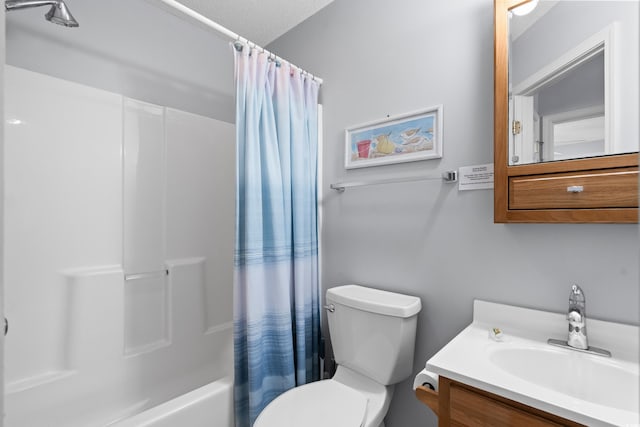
{"type": "Point", "coordinates": [458, 404]}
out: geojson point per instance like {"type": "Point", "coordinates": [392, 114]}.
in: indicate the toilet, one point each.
{"type": "Point", "coordinates": [373, 337]}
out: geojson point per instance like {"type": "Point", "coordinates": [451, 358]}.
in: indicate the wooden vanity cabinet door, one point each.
{"type": "Point", "coordinates": [462, 405]}
{"type": "Point", "coordinates": [474, 410]}
{"type": "Point", "coordinates": [606, 188]}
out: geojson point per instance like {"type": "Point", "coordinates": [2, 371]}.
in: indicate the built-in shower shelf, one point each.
{"type": "Point", "coordinates": [127, 412]}
{"type": "Point", "coordinates": [146, 348]}
{"type": "Point", "coordinates": [218, 328]}
{"type": "Point", "coordinates": [37, 380]}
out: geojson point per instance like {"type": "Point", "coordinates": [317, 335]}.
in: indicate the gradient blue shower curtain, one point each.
{"type": "Point", "coordinates": [276, 304]}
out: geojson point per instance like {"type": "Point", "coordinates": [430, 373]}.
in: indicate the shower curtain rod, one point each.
{"type": "Point", "coordinates": [227, 32]}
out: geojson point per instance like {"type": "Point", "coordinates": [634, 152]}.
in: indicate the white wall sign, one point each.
{"type": "Point", "coordinates": [477, 177]}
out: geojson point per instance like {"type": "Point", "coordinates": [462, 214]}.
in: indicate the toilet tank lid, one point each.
{"type": "Point", "coordinates": [375, 300]}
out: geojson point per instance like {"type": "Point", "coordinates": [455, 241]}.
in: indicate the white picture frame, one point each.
{"type": "Point", "coordinates": [408, 137]}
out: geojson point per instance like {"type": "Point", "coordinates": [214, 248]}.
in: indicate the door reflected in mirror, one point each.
{"type": "Point", "coordinates": [575, 138]}
{"type": "Point", "coordinates": [570, 86]}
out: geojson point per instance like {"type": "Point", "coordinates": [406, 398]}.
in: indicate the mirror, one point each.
{"type": "Point", "coordinates": [566, 111]}
{"type": "Point", "coordinates": [565, 79]}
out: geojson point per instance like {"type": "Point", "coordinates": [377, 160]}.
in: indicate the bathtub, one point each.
{"type": "Point", "coordinates": [207, 406]}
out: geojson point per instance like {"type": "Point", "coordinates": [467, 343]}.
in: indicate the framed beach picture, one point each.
{"type": "Point", "coordinates": [406, 138]}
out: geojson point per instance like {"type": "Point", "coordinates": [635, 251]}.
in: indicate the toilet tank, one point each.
{"type": "Point", "coordinates": [373, 331]}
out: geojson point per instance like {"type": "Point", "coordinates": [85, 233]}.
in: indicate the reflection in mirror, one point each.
{"type": "Point", "coordinates": [565, 79]}
{"type": "Point", "coordinates": [575, 134]}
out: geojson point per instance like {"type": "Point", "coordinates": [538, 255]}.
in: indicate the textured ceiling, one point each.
{"type": "Point", "coordinates": [260, 21]}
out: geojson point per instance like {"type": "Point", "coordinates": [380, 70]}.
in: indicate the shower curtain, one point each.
{"type": "Point", "coordinates": [276, 304]}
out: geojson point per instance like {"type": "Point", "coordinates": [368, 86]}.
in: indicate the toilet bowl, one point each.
{"type": "Point", "coordinates": [373, 337]}
{"type": "Point", "coordinates": [346, 400]}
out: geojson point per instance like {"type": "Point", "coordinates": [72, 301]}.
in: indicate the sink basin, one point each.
{"type": "Point", "coordinates": [587, 377]}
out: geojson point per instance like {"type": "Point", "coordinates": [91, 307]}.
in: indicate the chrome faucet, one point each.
{"type": "Point", "coordinates": [577, 317]}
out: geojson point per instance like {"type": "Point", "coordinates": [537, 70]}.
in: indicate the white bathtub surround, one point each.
{"type": "Point", "coordinates": [200, 218]}
{"type": "Point", "coordinates": [209, 405]}
{"type": "Point", "coordinates": [87, 347]}
{"type": "Point", "coordinates": [144, 165]}
{"type": "Point", "coordinates": [63, 210]}
{"type": "Point", "coordinates": [589, 389]}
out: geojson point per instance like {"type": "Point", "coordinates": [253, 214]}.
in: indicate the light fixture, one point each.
{"type": "Point", "coordinates": [524, 9]}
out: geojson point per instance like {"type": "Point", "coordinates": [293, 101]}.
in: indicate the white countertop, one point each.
{"type": "Point", "coordinates": [470, 358]}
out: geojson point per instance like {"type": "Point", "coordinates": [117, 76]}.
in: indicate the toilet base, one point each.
{"type": "Point", "coordinates": [379, 396]}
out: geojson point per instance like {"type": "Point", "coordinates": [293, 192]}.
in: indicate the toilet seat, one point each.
{"type": "Point", "coordinates": [318, 404]}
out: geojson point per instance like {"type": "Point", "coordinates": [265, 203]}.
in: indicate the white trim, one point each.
{"type": "Point", "coordinates": [320, 200]}
{"type": "Point", "coordinates": [524, 143]}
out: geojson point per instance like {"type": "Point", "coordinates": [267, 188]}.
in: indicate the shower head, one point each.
{"type": "Point", "coordinates": [58, 14]}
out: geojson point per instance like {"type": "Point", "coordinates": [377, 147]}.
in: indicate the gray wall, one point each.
{"type": "Point", "coordinates": [426, 238]}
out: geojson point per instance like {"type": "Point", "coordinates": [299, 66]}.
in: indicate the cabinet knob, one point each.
{"type": "Point", "coordinates": [575, 189]}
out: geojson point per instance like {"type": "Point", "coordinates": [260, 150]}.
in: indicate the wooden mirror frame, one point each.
{"type": "Point", "coordinates": [540, 193]}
